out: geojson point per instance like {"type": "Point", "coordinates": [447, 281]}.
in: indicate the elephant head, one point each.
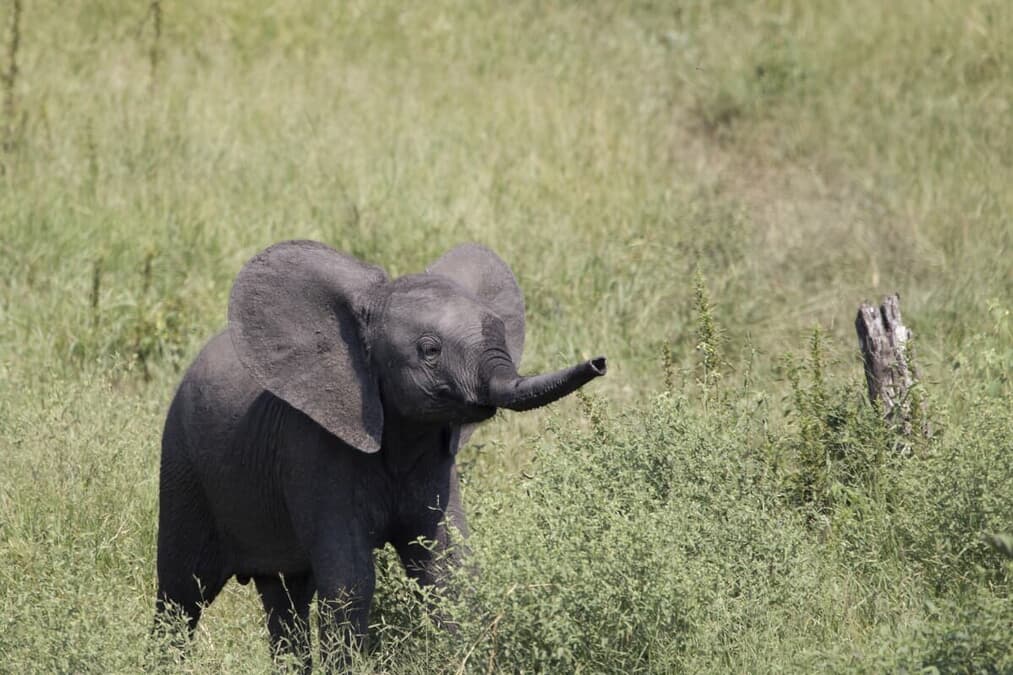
{"type": "Point", "coordinates": [337, 339]}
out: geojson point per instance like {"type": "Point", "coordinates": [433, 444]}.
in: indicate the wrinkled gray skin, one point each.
{"type": "Point", "coordinates": [324, 422]}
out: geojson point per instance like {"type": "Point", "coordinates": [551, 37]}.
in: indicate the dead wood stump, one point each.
{"type": "Point", "coordinates": [883, 337]}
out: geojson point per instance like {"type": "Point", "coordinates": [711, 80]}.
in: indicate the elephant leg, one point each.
{"type": "Point", "coordinates": [186, 583]}
{"type": "Point", "coordinates": [446, 528]}
{"type": "Point", "coordinates": [191, 562]}
{"type": "Point", "coordinates": [443, 550]}
{"type": "Point", "coordinates": [428, 557]}
{"type": "Point", "coordinates": [346, 579]}
{"type": "Point", "coordinates": [287, 603]}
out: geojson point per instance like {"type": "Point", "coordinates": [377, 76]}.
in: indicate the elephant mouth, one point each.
{"type": "Point", "coordinates": [482, 412]}
{"type": "Point", "coordinates": [464, 411]}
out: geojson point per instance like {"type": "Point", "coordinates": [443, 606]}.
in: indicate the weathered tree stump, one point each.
{"type": "Point", "coordinates": [882, 337]}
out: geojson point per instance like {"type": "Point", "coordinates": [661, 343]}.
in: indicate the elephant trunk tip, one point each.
{"type": "Point", "coordinates": [598, 365]}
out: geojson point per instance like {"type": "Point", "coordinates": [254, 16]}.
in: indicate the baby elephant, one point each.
{"type": "Point", "coordinates": [324, 423]}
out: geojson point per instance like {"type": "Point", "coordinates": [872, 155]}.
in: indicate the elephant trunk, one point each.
{"type": "Point", "coordinates": [515, 392]}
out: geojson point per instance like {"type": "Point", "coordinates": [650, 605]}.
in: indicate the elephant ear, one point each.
{"type": "Point", "coordinates": [486, 275]}
{"type": "Point", "coordinates": [294, 319]}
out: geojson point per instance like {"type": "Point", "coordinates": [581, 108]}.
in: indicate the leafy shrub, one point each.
{"type": "Point", "coordinates": [837, 443]}
{"type": "Point", "coordinates": [665, 539]}
{"type": "Point", "coordinates": [636, 541]}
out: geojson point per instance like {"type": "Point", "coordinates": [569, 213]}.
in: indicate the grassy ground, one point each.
{"type": "Point", "coordinates": [802, 156]}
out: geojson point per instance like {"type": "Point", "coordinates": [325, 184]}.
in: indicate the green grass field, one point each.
{"type": "Point", "coordinates": [782, 160]}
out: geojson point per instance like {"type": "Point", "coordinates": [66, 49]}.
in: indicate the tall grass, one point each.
{"type": "Point", "coordinates": [658, 177]}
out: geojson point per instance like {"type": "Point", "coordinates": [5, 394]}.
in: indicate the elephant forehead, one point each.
{"type": "Point", "coordinates": [436, 305]}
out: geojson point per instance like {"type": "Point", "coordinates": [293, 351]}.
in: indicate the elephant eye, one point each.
{"type": "Point", "coordinates": [429, 348]}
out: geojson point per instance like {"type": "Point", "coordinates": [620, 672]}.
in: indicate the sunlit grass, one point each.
{"type": "Point", "coordinates": [802, 156]}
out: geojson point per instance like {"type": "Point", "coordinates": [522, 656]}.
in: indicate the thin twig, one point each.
{"type": "Point", "coordinates": [10, 77]}
{"type": "Point", "coordinates": [474, 646]}
{"type": "Point", "coordinates": [153, 53]}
